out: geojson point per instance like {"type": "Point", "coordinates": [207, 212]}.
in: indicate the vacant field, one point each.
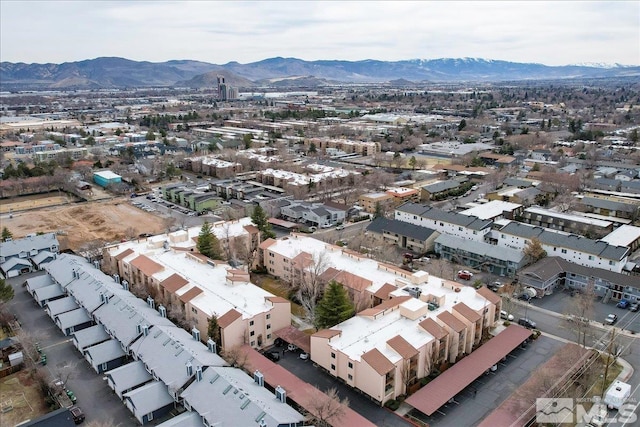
{"type": "Point", "coordinates": [36, 201]}
{"type": "Point", "coordinates": [20, 399]}
{"type": "Point", "coordinates": [80, 223]}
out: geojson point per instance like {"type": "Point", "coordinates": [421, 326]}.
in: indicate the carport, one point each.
{"type": "Point", "coordinates": [301, 392]}
{"type": "Point", "coordinates": [287, 225]}
{"type": "Point", "coordinates": [455, 379]}
{"type": "Point", "coordinates": [296, 337]}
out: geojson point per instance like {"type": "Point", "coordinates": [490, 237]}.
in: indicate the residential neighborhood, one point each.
{"type": "Point", "coordinates": [334, 255]}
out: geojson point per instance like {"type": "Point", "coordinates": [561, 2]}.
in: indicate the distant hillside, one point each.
{"type": "Point", "coordinates": [121, 73]}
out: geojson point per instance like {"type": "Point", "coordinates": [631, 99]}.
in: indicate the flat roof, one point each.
{"type": "Point", "coordinates": [624, 235]}
{"type": "Point", "coordinates": [107, 174]}
{"type": "Point", "coordinates": [452, 381]}
{"type": "Point", "coordinates": [491, 210]}
{"type": "Point", "coordinates": [568, 217]}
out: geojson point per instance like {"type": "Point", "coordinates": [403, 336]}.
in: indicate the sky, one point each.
{"type": "Point", "coordinates": [550, 33]}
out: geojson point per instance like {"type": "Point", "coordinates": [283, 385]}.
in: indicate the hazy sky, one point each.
{"type": "Point", "coordinates": [552, 33]}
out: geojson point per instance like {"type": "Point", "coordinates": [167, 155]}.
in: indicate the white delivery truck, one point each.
{"type": "Point", "coordinates": [617, 393]}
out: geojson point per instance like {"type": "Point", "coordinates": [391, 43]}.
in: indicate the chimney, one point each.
{"type": "Point", "coordinates": [163, 311]}
{"type": "Point", "coordinates": [150, 302]}
{"type": "Point", "coordinates": [195, 333]}
{"type": "Point", "coordinates": [145, 330]}
{"type": "Point", "coordinates": [189, 369]}
{"type": "Point", "coordinates": [116, 277]}
{"type": "Point", "coordinates": [198, 373]}
{"type": "Point", "coordinates": [125, 285]}
{"type": "Point", "coordinates": [96, 264]}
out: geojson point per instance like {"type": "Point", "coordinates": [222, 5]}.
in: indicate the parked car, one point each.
{"type": "Point", "coordinates": [623, 303]}
{"type": "Point", "coordinates": [506, 316]}
{"type": "Point", "coordinates": [272, 355]}
{"type": "Point", "coordinates": [611, 319]}
{"type": "Point", "coordinates": [634, 306]}
{"type": "Point", "coordinates": [527, 323]}
{"type": "Point", "coordinates": [496, 286]}
{"type": "Point", "coordinates": [77, 414]}
{"type": "Point", "coordinates": [340, 227]}
{"type": "Point", "coordinates": [465, 275]}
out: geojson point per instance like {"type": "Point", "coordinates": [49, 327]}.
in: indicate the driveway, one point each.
{"type": "Point", "coordinates": [95, 398]}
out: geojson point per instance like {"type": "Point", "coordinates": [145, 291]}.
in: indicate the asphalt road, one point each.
{"type": "Point", "coordinates": [95, 397]}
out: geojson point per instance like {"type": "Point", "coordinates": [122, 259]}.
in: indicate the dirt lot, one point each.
{"type": "Point", "coordinates": [79, 223]}
{"type": "Point", "coordinates": [20, 398]}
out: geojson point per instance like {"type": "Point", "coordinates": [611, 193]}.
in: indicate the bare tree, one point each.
{"type": "Point", "coordinates": [579, 308]}
{"type": "Point", "coordinates": [533, 251]}
{"type": "Point", "coordinates": [328, 409]}
{"type": "Point", "coordinates": [65, 372]}
{"type": "Point", "coordinates": [92, 250]}
{"type": "Point", "coordinates": [235, 356]}
{"type": "Point", "coordinates": [246, 248]}
{"type": "Point", "coordinates": [307, 281]}
{"type": "Point", "coordinates": [130, 233]}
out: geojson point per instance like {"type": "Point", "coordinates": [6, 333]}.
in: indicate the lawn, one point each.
{"type": "Point", "coordinates": [20, 398]}
{"type": "Point", "coordinates": [276, 287]}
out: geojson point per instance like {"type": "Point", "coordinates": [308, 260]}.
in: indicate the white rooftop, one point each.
{"type": "Point", "coordinates": [107, 174]}
{"type": "Point", "coordinates": [491, 210]}
{"type": "Point", "coordinates": [361, 334]}
{"type": "Point", "coordinates": [624, 235]}
{"type": "Point", "coordinates": [570, 217]}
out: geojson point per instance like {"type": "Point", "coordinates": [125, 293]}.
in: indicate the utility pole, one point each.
{"type": "Point", "coordinates": [608, 362]}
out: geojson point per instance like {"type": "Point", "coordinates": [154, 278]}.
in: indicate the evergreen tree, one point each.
{"type": "Point", "coordinates": [334, 307]}
{"type": "Point", "coordinates": [214, 330]}
{"type": "Point", "coordinates": [6, 234]}
{"type": "Point", "coordinates": [208, 243]}
{"type": "Point", "coordinates": [462, 124]}
{"type": "Point", "coordinates": [6, 291]}
{"type": "Point", "coordinates": [259, 218]}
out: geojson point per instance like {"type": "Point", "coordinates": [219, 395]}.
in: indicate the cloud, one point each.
{"type": "Point", "coordinates": [552, 33]}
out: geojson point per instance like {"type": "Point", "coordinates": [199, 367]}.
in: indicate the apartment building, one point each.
{"type": "Point", "coordinates": [383, 351]}
{"type": "Point", "coordinates": [213, 166]}
{"type": "Point", "coordinates": [570, 223]}
{"type": "Point", "coordinates": [363, 148]}
{"type": "Point", "coordinates": [571, 247]}
{"type": "Point", "coordinates": [372, 201]}
{"type": "Point", "coordinates": [452, 223]}
{"type": "Point", "coordinates": [194, 288]}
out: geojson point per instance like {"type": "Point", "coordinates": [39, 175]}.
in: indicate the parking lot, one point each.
{"type": "Point", "coordinates": [560, 302]}
{"type": "Point", "coordinates": [183, 217]}
{"type": "Point", "coordinates": [96, 399]}
{"type": "Point", "coordinates": [486, 393]}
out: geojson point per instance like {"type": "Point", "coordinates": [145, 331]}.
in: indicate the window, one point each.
{"type": "Point", "coordinates": [590, 257]}
{"type": "Point", "coordinates": [268, 326]}
{"type": "Point", "coordinates": [350, 377]}
{"type": "Point", "coordinates": [268, 336]}
{"type": "Point", "coordinates": [459, 228]}
{"type": "Point", "coordinates": [150, 416]}
{"type": "Point", "coordinates": [252, 333]}
{"type": "Point", "coordinates": [104, 367]}
{"type": "Point", "coordinates": [333, 367]}
{"type": "Point", "coordinates": [350, 365]}
{"type": "Point", "coordinates": [251, 323]}
{"type": "Point", "coordinates": [612, 263]}
{"type": "Point", "coordinates": [564, 251]}
{"type": "Point", "coordinates": [253, 343]}
{"type": "Point", "coordinates": [194, 311]}
{"type": "Point", "coordinates": [333, 355]}
{"type": "Point", "coordinates": [268, 316]}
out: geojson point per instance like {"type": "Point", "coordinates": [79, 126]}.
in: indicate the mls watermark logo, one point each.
{"type": "Point", "coordinates": [555, 411]}
{"type": "Point", "coordinates": [567, 410]}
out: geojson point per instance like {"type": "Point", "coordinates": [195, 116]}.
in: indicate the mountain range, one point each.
{"type": "Point", "coordinates": [108, 72]}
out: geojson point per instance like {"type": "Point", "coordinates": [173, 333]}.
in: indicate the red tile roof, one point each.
{"type": "Point", "coordinates": [122, 255]}
{"type": "Point", "coordinates": [489, 295]}
{"type": "Point", "coordinates": [327, 333]}
{"type": "Point", "coordinates": [467, 312]}
{"type": "Point", "coordinates": [385, 290]}
{"type": "Point", "coordinates": [452, 381]}
{"type": "Point", "coordinates": [146, 265]}
{"type": "Point", "coordinates": [173, 283]}
{"type": "Point", "coordinates": [432, 327]}
{"type": "Point", "coordinates": [402, 347]}
{"type": "Point", "coordinates": [384, 306]}
{"type": "Point", "coordinates": [228, 318]}
{"type": "Point", "coordinates": [190, 294]}
{"type": "Point", "coordinates": [378, 361]}
{"type": "Point", "coordinates": [452, 321]}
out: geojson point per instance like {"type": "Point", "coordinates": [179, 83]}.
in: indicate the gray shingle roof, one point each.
{"type": "Point", "coordinates": [609, 204]}
{"type": "Point", "coordinates": [48, 292]}
{"type": "Point", "coordinates": [380, 225]}
{"type": "Point", "coordinates": [105, 352]}
{"type": "Point", "coordinates": [501, 253]}
{"type": "Point", "coordinates": [61, 305]}
{"type": "Point", "coordinates": [148, 398]}
{"type": "Point", "coordinates": [569, 241]}
{"type": "Point", "coordinates": [72, 318]}
{"type": "Point", "coordinates": [437, 187]}
{"type": "Point", "coordinates": [239, 400]}
{"type": "Point", "coordinates": [90, 336]}
{"type": "Point", "coordinates": [128, 376]}
{"type": "Point", "coordinates": [39, 242]}
{"type": "Point", "coordinates": [435, 214]}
